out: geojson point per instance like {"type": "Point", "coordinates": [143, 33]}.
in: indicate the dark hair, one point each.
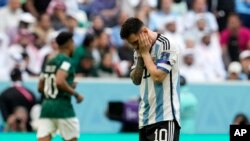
{"type": "Point", "coordinates": [63, 38]}
{"type": "Point", "coordinates": [16, 74]}
{"type": "Point", "coordinates": [158, 6]}
{"type": "Point", "coordinates": [99, 32]}
{"type": "Point", "coordinates": [89, 38]}
{"type": "Point", "coordinates": [130, 26]}
{"type": "Point", "coordinates": [244, 120]}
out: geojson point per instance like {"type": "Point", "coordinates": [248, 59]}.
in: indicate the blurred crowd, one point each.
{"type": "Point", "coordinates": [213, 35]}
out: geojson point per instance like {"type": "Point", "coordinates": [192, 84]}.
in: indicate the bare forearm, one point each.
{"type": "Point", "coordinates": [41, 86]}
{"type": "Point", "coordinates": [64, 86]}
{"type": "Point", "coordinates": [157, 75]}
{"type": "Point", "coordinates": [151, 67]}
{"type": "Point", "coordinates": [136, 74]}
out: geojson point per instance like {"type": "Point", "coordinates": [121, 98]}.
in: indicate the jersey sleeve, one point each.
{"type": "Point", "coordinates": [167, 57]}
{"type": "Point", "coordinates": [135, 60]}
{"type": "Point", "coordinates": [66, 65]}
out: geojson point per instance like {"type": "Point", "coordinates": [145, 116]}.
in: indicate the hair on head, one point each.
{"type": "Point", "coordinates": [63, 38]}
{"type": "Point", "coordinates": [131, 26]}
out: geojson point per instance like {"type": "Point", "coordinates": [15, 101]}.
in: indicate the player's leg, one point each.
{"type": "Point", "coordinates": [69, 128]}
{"type": "Point", "coordinates": [142, 134]}
{"type": "Point", "coordinates": [46, 127]}
{"type": "Point", "coordinates": [176, 131]}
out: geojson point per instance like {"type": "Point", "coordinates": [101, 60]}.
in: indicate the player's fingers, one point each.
{"type": "Point", "coordinates": [142, 44]}
{"type": "Point", "coordinates": [144, 39]}
{"type": "Point", "coordinates": [147, 40]}
{"type": "Point", "coordinates": [139, 40]}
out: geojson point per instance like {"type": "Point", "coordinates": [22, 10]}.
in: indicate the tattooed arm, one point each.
{"type": "Point", "coordinates": [137, 72]}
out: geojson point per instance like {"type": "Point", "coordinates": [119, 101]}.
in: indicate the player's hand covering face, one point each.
{"type": "Point", "coordinates": [144, 43]}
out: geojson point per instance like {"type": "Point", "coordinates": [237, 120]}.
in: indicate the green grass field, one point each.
{"type": "Point", "coordinates": [113, 137]}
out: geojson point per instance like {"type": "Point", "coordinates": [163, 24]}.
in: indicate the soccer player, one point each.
{"type": "Point", "coordinates": [56, 83]}
{"type": "Point", "coordinates": [156, 70]}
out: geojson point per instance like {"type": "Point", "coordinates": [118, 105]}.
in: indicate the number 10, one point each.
{"type": "Point", "coordinates": [50, 88]}
{"type": "Point", "coordinates": [160, 136]}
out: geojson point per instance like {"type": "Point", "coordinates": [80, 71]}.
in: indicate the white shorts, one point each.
{"type": "Point", "coordinates": [68, 128]}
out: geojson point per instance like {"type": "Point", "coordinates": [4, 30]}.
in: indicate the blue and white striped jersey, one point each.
{"type": "Point", "coordinates": [160, 101]}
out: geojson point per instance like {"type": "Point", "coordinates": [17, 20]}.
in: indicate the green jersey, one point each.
{"type": "Point", "coordinates": [57, 103]}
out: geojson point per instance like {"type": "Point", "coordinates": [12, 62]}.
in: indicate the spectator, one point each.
{"type": "Point", "coordinates": [29, 52]}
{"type": "Point", "coordinates": [44, 27]}
{"type": "Point", "coordinates": [240, 119]}
{"type": "Point", "coordinates": [106, 68]}
{"type": "Point", "coordinates": [10, 15]}
{"type": "Point", "coordinates": [72, 26]}
{"type": "Point", "coordinates": [234, 39]}
{"type": "Point", "coordinates": [245, 62]}
{"type": "Point", "coordinates": [209, 51]}
{"type": "Point", "coordinates": [130, 6]}
{"type": "Point", "coordinates": [37, 7]}
{"type": "Point", "coordinates": [126, 53]}
{"type": "Point", "coordinates": [16, 95]}
{"type": "Point", "coordinates": [97, 25]}
{"type": "Point", "coordinates": [157, 19]}
{"type": "Point", "coordinates": [59, 16]}
{"type": "Point", "coordinates": [87, 47]}
{"type": "Point", "coordinates": [171, 31]}
{"type": "Point", "coordinates": [18, 53]}
{"type": "Point", "coordinates": [4, 56]}
{"type": "Point", "coordinates": [115, 36]}
{"type": "Point", "coordinates": [221, 9]}
{"type": "Point", "coordinates": [26, 21]}
{"type": "Point", "coordinates": [107, 9]}
{"type": "Point", "coordinates": [143, 11]}
{"type": "Point", "coordinates": [190, 66]}
{"type": "Point", "coordinates": [103, 42]}
{"type": "Point", "coordinates": [189, 107]}
{"type": "Point", "coordinates": [199, 8]}
{"type": "Point", "coordinates": [189, 4]}
{"type": "Point", "coordinates": [84, 5]}
{"type": "Point", "coordinates": [235, 72]}
{"type": "Point", "coordinates": [87, 67]}
{"type": "Point", "coordinates": [189, 42]}
{"type": "Point", "coordinates": [37, 52]}
{"type": "Point", "coordinates": [199, 29]}
{"type": "Point", "coordinates": [72, 6]}
{"type": "Point", "coordinates": [122, 68]}
{"type": "Point", "coordinates": [180, 7]}
{"type": "Point", "coordinates": [18, 121]}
